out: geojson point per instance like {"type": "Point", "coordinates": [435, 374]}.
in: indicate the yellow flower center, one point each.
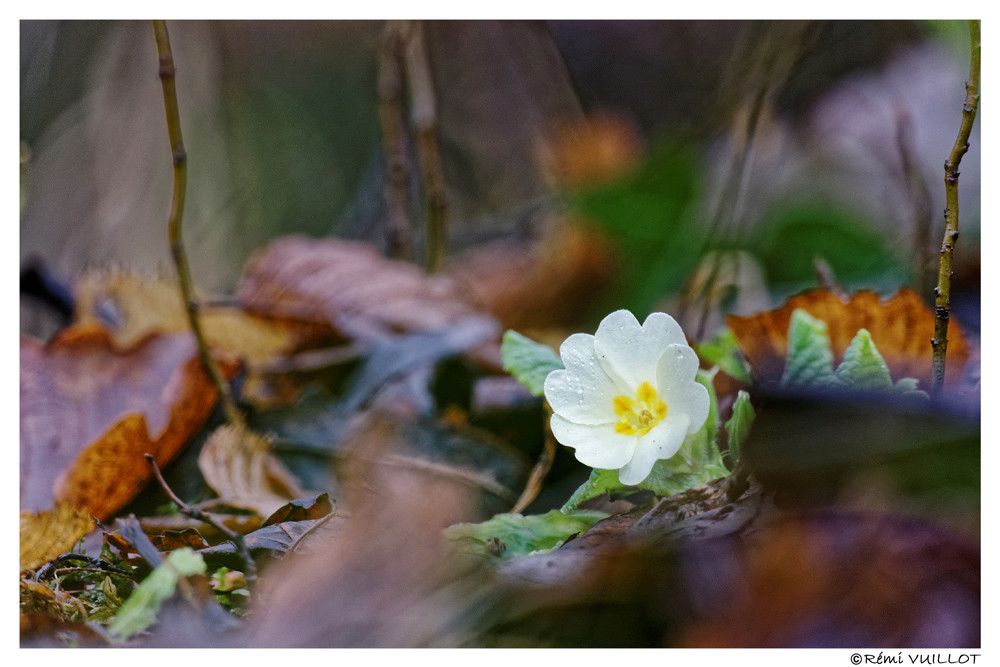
{"type": "Point", "coordinates": [637, 415]}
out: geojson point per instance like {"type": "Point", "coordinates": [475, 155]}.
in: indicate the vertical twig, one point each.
{"type": "Point", "coordinates": [424, 117]}
{"type": "Point", "coordinates": [167, 72]}
{"type": "Point", "coordinates": [942, 293]}
{"type": "Point", "coordinates": [391, 117]}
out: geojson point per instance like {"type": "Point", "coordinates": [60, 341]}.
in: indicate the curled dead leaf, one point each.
{"type": "Point", "coordinates": [237, 463]}
{"type": "Point", "coordinates": [902, 328]}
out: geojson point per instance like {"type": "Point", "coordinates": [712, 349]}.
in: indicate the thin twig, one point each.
{"type": "Point", "coordinates": [392, 118]}
{"type": "Point", "coordinates": [942, 293]}
{"type": "Point", "coordinates": [198, 515]}
{"type": "Point", "coordinates": [167, 74]}
{"type": "Point", "coordinates": [534, 484]}
{"type": "Point", "coordinates": [424, 117]}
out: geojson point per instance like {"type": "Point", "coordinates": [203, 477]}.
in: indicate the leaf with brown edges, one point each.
{"type": "Point", "coordinates": [901, 327]}
{"type": "Point", "coordinates": [91, 410]}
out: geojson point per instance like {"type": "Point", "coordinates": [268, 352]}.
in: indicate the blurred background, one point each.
{"type": "Point", "coordinates": [703, 168]}
{"type": "Point", "coordinates": [666, 141]}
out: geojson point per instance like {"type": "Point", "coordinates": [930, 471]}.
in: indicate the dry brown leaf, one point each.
{"type": "Point", "coordinates": [47, 534]}
{"type": "Point", "coordinates": [594, 151]}
{"type": "Point", "coordinates": [153, 305]}
{"type": "Point", "coordinates": [350, 285]}
{"type": "Point", "coordinates": [237, 463]}
{"type": "Point", "coordinates": [547, 284]}
{"type": "Point", "coordinates": [90, 411]}
{"type": "Point", "coordinates": [901, 327]}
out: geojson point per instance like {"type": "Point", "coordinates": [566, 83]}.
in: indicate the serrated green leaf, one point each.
{"type": "Point", "coordinates": [738, 426]}
{"type": "Point", "coordinates": [698, 461]}
{"type": "Point", "coordinates": [139, 611]}
{"type": "Point", "coordinates": [863, 368]}
{"type": "Point", "coordinates": [809, 362]}
{"type": "Point", "coordinates": [511, 535]}
{"type": "Point", "coordinates": [724, 352]}
{"type": "Point", "coordinates": [529, 362]}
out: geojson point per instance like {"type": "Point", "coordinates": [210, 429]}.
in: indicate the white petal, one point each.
{"type": "Point", "coordinates": [628, 352]}
{"type": "Point", "coordinates": [596, 446]}
{"type": "Point", "coordinates": [678, 388]}
{"type": "Point", "coordinates": [582, 393]}
{"type": "Point", "coordinates": [661, 442]}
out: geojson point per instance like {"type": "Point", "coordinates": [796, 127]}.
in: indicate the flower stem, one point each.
{"type": "Point", "coordinates": [167, 72]}
{"type": "Point", "coordinates": [942, 293]}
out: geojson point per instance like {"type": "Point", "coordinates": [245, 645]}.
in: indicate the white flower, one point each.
{"type": "Point", "coordinates": [628, 394]}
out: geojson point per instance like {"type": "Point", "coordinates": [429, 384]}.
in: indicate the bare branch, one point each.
{"type": "Point", "coordinates": [942, 293]}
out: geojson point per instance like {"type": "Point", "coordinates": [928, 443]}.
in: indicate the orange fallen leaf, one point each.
{"type": "Point", "coordinates": [901, 327]}
{"type": "Point", "coordinates": [47, 534]}
{"type": "Point", "coordinates": [91, 410]}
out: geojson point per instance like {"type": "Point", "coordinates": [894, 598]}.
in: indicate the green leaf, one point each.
{"type": "Point", "coordinates": [511, 535]}
{"type": "Point", "coordinates": [809, 361]}
{"type": "Point", "coordinates": [139, 611]}
{"type": "Point", "coordinates": [793, 234]}
{"type": "Point", "coordinates": [698, 461]}
{"type": "Point", "coordinates": [724, 352]}
{"type": "Point", "coordinates": [652, 218]}
{"type": "Point", "coordinates": [528, 361]}
{"type": "Point", "coordinates": [738, 426]}
{"type": "Point", "coordinates": [863, 368]}
{"type": "Point", "coordinates": [600, 481]}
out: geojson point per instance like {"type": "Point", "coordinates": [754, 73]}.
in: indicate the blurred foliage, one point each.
{"type": "Point", "coordinates": [282, 137]}
{"type": "Point", "coordinates": [652, 217]}
{"type": "Point", "coordinates": [791, 237]}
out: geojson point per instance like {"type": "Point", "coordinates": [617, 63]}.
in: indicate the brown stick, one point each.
{"type": "Point", "coordinates": [534, 484]}
{"type": "Point", "coordinates": [205, 517]}
{"type": "Point", "coordinates": [424, 117]}
{"type": "Point", "coordinates": [167, 73]}
{"type": "Point", "coordinates": [942, 293]}
{"type": "Point", "coordinates": [392, 118]}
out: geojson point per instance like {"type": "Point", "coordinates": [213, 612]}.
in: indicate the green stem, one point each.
{"type": "Point", "coordinates": [167, 72]}
{"type": "Point", "coordinates": [942, 293]}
